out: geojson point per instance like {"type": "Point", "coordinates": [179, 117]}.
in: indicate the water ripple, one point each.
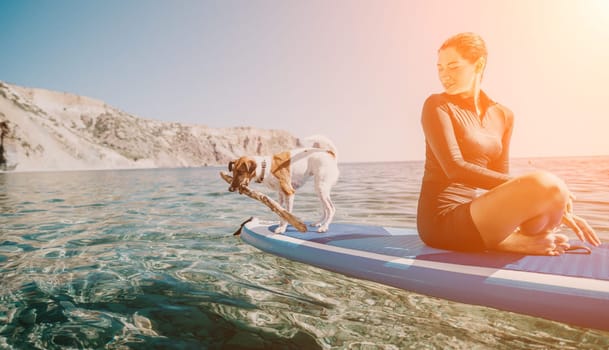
{"type": "Point", "coordinates": [146, 259]}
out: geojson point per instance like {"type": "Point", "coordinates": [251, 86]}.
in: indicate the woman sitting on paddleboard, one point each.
{"type": "Point", "coordinates": [467, 147]}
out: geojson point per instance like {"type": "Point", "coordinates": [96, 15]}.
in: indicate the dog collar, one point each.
{"type": "Point", "coordinates": [261, 177]}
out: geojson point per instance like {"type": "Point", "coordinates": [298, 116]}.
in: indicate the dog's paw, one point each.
{"type": "Point", "coordinates": [322, 229]}
{"type": "Point", "coordinates": [281, 229]}
{"type": "Point", "coordinates": [317, 224]}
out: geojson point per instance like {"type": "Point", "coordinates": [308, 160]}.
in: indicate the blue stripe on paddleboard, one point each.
{"type": "Point", "coordinates": [404, 242]}
{"type": "Point", "coordinates": [559, 281]}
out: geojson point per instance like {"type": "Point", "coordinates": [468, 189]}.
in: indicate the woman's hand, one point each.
{"type": "Point", "coordinates": [581, 228]}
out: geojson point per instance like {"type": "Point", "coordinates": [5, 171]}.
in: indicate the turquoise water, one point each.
{"type": "Point", "coordinates": [145, 259]}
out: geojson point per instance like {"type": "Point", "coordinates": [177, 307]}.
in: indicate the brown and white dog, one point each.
{"type": "Point", "coordinates": [287, 171]}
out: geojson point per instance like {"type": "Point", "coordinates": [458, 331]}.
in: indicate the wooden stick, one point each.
{"type": "Point", "coordinates": [273, 205]}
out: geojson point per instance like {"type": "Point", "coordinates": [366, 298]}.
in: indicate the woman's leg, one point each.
{"type": "Point", "coordinates": [520, 214]}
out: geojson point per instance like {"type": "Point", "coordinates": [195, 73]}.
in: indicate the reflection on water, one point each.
{"type": "Point", "coordinates": [145, 259]}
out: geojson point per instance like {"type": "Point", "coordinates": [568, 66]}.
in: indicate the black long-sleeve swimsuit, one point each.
{"type": "Point", "coordinates": [464, 152]}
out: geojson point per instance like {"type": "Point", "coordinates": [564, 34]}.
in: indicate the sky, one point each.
{"type": "Point", "coordinates": [357, 71]}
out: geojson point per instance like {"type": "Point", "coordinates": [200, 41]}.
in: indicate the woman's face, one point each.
{"type": "Point", "coordinates": [457, 75]}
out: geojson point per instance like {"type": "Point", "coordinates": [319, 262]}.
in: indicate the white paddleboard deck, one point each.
{"type": "Point", "coordinates": [571, 288]}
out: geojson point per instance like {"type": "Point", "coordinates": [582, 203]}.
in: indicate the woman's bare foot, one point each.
{"type": "Point", "coordinates": [543, 244]}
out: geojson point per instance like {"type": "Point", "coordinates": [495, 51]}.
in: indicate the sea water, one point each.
{"type": "Point", "coordinates": [146, 259]}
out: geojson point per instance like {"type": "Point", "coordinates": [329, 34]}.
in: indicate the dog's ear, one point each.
{"type": "Point", "coordinates": [250, 166]}
{"type": "Point", "coordinates": [231, 164]}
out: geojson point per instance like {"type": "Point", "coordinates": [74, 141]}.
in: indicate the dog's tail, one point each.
{"type": "Point", "coordinates": [321, 142]}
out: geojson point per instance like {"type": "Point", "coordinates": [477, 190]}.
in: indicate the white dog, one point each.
{"type": "Point", "coordinates": [287, 171]}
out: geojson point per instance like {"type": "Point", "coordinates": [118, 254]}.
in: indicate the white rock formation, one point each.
{"type": "Point", "coordinates": [49, 130]}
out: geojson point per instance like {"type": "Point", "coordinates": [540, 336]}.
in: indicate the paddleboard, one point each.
{"type": "Point", "coordinates": [571, 288]}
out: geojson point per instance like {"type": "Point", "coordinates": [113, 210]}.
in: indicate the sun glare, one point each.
{"type": "Point", "coordinates": [598, 12]}
{"type": "Point", "coordinates": [600, 5]}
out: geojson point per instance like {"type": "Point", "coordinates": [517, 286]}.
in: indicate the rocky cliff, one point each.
{"type": "Point", "coordinates": [47, 130]}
